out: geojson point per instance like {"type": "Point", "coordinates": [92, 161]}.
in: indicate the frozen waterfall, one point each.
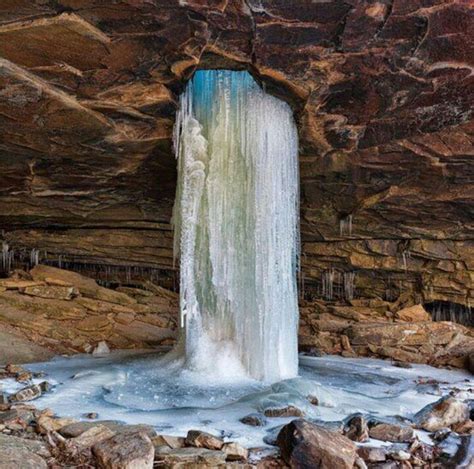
{"type": "Point", "coordinates": [236, 227]}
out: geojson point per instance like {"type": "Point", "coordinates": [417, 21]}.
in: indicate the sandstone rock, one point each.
{"type": "Point", "coordinates": [46, 423]}
{"type": "Point", "coordinates": [201, 439]}
{"type": "Point", "coordinates": [30, 392]}
{"type": "Point", "coordinates": [78, 428]}
{"type": "Point", "coordinates": [20, 458]}
{"type": "Point", "coordinates": [90, 437]}
{"type": "Point", "coordinates": [372, 454]}
{"type": "Point", "coordinates": [445, 412]}
{"type": "Point", "coordinates": [172, 442]}
{"type": "Point", "coordinates": [356, 429]}
{"type": "Point", "coordinates": [414, 313]}
{"type": "Point", "coordinates": [22, 444]}
{"type": "Point", "coordinates": [51, 292]}
{"type": "Point", "coordinates": [12, 284]}
{"type": "Point", "coordinates": [303, 444]}
{"type": "Point", "coordinates": [254, 420]}
{"type": "Point", "coordinates": [287, 411]}
{"type": "Point", "coordinates": [125, 451]}
{"type": "Point", "coordinates": [86, 286]}
{"type": "Point", "coordinates": [235, 452]}
{"type": "Point", "coordinates": [189, 457]}
{"type": "Point", "coordinates": [391, 432]}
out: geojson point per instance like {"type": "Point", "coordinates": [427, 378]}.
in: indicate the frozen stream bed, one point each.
{"type": "Point", "coordinates": [149, 388]}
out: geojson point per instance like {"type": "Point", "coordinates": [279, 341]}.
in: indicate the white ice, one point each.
{"type": "Point", "coordinates": [236, 227]}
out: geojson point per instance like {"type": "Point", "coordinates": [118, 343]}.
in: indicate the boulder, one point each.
{"type": "Point", "coordinates": [414, 313]}
{"type": "Point", "coordinates": [201, 439]}
{"type": "Point", "coordinates": [254, 420]}
{"type": "Point", "coordinates": [30, 392]}
{"type": "Point", "coordinates": [189, 458]}
{"type": "Point", "coordinates": [372, 454]}
{"type": "Point", "coordinates": [46, 423]}
{"type": "Point", "coordinates": [90, 437]}
{"type": "Point", "coordinates": [86, 286]}
{"type": "Point", "coordinates": [52, 292]}
{"type": "Point", "coordinates": [125, 451]}
{"type": "Point", "coordinates": [356, 428]}
{"type": "Point", "coordinates": [20, 458]}
{"type": "Point", "coordinates": [172, 442]}
{"type": "Point", "coordinates": [76, 429]}
{"type": "Point", "coordinates": [445, 412]}
{"type": "Point", "coordinates": [305, 445]}
{"type": "Point", "coordinates": [286, 411]}
{"type": "Point", "coordinates": [22, 444]}
{"type": "Point", "coordinates": [391, 432]}
{"type": "Point", "coordinates": [235, 452]}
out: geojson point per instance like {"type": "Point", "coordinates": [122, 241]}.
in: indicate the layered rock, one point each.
{"type": "Point", "coordinates": [68, 323]}
{"type": "Point", "coordinates": [381, 91]}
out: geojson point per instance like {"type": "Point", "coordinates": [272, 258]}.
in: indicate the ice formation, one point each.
{"type": "Point", "coordinates": [236, 226]}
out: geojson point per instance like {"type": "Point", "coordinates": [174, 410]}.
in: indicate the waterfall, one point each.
{"type": "Point", "coordinates": [236, 226]}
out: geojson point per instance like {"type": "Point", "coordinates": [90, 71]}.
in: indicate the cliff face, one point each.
{"type": "Point", "coordinates": [383, 97]}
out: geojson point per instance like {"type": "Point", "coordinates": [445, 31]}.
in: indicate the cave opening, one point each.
{"type": "Point", "coordinates": [449, 311]}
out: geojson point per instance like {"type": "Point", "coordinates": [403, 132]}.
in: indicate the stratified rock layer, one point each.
{"type": "Point", "coordinates": [383, 95]}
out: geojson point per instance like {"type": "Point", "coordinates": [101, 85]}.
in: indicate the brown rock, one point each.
{"type": "Point", "coordinates": [391, 432]}
{"type": "Point", "coordinates": [78, 428]}
{"type": "Point", "coordinates": [30, 392]}
{"type": "Point", "coordinates": [201, 439]}
{"type": "Point", "coordinates": [235, 452]}
{"type": "Point", "coordinates": [356, 429]}
{"type": "Point", "coordinates": [445, 412]}
{"type": "Point", "coordinates": [372, 454]}
{"type": "Point", "coordinates": [46, 423]}
{"type": "Point", "coordinates": [90, 437]}
{"type": "Point", "coordinates": [189, 457]}
{"type": "Point", "coordinates": [414, 313]}
{"type": "Point", "coordinates": [303, 445]}
{"type": "Point", "coordinates": [125, 451]}
{"type": "Point", "coordinates": [51, 292]}
{"type": "Point", "coordinates": [288, 411]}
{"type": "Point", "coordinates": [172, 442]}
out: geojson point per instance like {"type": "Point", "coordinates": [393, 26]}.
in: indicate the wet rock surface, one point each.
{"type": "Point", "coordinates": [303, 444]}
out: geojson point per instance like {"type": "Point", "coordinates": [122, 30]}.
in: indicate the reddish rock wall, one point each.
{"type": "Point", "coordinates": [383, 96]}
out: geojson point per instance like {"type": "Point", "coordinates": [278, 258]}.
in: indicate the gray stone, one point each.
{"type": "Point", "coordinates": [20, 458]}
{"type": "Point", "coordinates": [254, 420]}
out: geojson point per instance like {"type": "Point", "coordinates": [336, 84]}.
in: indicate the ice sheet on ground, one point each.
{"type": "Point", "coordinates": [144, 387]}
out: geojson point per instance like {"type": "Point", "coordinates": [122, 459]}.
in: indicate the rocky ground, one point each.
{"type": "Point", "coordinates": [33, 439]}
{"type": "Point", "coordinates": [49, 310]}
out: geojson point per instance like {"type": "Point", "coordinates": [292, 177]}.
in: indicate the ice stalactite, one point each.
{"type": "Point", "coordinates": [236, 225]}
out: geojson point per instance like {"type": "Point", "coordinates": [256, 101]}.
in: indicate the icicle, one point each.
{"type": "Point", "coordinates": [345, 226]}
{"type": "Point", "coordinates": [236, 223]}
{"type": "Point", "coordinates": [349, 282]}
{"type": "Point", "coordinates": [328, 278]}
{"type": "Point", "coordinates": [34, 257]}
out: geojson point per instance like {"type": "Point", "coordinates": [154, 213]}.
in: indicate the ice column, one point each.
{"type": "Point", "coordinates": [236, 224]}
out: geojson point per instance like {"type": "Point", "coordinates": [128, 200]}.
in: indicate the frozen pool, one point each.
{"type": "Point", "coordinates": [151, 388]}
